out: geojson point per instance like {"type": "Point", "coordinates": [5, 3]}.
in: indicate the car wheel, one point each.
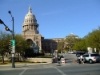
{"type": "Point", "coordinates": [90, 61]}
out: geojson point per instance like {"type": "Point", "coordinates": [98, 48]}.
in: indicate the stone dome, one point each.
{"type": "Point", "coordinates": [30, 17]}
{"type": "Point", "coordinates": [72, 35]}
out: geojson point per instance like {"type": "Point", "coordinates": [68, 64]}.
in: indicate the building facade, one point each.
{"type": "Point", "coordinates": [31, 33]}
{"type": "Point", "coordinates": [30, 30]}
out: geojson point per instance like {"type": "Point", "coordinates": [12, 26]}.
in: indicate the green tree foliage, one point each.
{"type": "Point", "coordinates": [93, 39]}
{"type": "Point", "coordinates": [4, 43]}
{"type": "Point", "coordinates": [80, 45]}
{"type": "Point", "coordinates": [21, 44]}
{"type": "Point", "coordinates": [90, 40]}
{"type": "Point", "coordinates": [60, 46]}
{"type": "Point", "coordinates": [71, 40]}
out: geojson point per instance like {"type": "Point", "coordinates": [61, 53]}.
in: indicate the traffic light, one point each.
{"type": "Point", "coordinates": [12, 46]}
{"type": "Point", "coordinates": [7, 29]}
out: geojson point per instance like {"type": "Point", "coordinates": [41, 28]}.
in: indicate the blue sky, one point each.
{"type": "Point", "coordinates": [56, 18]}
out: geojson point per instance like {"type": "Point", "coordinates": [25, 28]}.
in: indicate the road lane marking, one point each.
{"type": "Point", "coordinates": [22, 72]}
{"type": "Point", "coordinates": [60, 71]}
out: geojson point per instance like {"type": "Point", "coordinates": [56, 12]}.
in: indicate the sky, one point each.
{"type": "Point", "coordinates": [56, 18]}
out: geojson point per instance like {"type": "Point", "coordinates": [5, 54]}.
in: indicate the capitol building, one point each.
{"type": "Point", "coordinates": [31, 33]}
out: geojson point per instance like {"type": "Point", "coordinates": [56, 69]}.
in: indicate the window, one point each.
{"type": "Point", "coordinates": [94, 54]}
{"type": "Point", "coordinates": [86, 56]}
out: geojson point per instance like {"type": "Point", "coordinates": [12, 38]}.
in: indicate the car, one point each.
{"type": "Point", "coordinates": [80, 53]}
{"type": "Point", "coordinates": [91, 57]}
{"type": "Point", "coordinates": [70, 52]}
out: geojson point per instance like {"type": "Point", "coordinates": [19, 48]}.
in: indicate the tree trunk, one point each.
{"type": "Point", "coordinates": [18, 56]}
{"type": "Point", "coordinates": [2, 58]}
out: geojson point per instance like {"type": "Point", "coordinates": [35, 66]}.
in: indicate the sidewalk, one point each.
{"type": "Point", "coordinates": [21, 66]}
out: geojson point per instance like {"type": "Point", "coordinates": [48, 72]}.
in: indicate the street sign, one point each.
{"type": "Point", "coordinates": [13, 49]}
{"type": "Point", "coordinates": [13, 46]}
{"type": "Point", "coordinates": [13, 42]}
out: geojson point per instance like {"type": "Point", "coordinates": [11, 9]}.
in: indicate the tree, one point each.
{"type": "Point", "coordinates": [4, 44]}
{"type": "Point", "coordinates": [60, 46]}
{"type": "Point", "coordinates": [93, 39]}
{"type": "Point", "coordinates": [80, 45]}
{"type": "Point", "coordinates": [70, 40]}
{"type": "Point", "coordinates": [21, 45]}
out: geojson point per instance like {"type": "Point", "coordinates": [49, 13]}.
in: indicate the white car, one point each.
{"type": "Point", "coordinates": [91, 57]}
{"type": "Point", "coordinates": [70, 52]}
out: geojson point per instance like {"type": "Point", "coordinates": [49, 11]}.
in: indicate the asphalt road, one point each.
{"type": "Point", "coordinates": [70, 57]}
{"type": "Point", "coordinates": [69, 68]}
{"type": "Point", "coordinates": [54, 69]}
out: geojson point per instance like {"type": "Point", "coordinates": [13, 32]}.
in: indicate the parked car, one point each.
{"type": "Point", "coordinates": [79, 53]}
{"type": "Point", "coordinates": [70, 52]}
{"type": "Point", "coordinates": [91, 57]}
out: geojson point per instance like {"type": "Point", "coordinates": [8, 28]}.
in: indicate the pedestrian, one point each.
{"type": "Point", "coordinates": [78, 59]}
{"type": "Point", "coordinates": [81, 59]}
{"type": "Point", "coordinates": [59, 59]}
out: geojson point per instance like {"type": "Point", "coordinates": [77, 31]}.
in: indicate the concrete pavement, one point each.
{"type": "Point", "coordinates": [53, 69]}
{"type": "Point", "coordinates": [32, 66]}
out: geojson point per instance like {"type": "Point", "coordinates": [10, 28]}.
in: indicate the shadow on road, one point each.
{"type": "Point", "coordinates": [69, 61]}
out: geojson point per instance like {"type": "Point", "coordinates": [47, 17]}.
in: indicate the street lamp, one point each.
{"type": "Point", "coordinates": [13, 50]}
{"type": "Point", "coordinates": [1, 22]}
{"type": "Point", "coordinates": [6, 27]}
{"type": "Point", "coordinates": [12, 24]}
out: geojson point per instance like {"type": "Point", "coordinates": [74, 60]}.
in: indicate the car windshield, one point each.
{"type": "Point", "coordinates": [94, 54]}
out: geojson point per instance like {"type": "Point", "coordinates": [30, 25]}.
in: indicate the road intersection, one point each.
{"type": "Point", "coordinates": [69, 68]}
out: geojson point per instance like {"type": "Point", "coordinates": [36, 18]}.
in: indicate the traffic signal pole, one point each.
{"type": "Point", "coordinates": [12, 31]}
{"type": "Point", "coordinates": [13, 63]}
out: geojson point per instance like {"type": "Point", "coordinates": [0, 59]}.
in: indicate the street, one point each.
{"type": "Point", "coordinates": [69, 68]}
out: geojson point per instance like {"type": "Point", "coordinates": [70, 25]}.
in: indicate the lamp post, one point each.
{"type": "Point", "coordinates": [13, 50]}
{"type": "Point", "coordinates": [12, 24]}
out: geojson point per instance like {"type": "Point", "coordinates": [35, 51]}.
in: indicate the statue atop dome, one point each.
{"type": "Point", "coordinates": [30, 10]}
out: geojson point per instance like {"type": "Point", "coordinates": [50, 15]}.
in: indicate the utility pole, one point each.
{"type": "Point", "coordinates": [13, 41]}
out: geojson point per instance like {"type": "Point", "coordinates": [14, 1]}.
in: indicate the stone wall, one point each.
{"type": "Point", "coordinates": [47, 60]}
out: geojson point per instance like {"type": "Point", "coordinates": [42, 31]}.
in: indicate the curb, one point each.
{"type": "Point", "coordinates": [25, 64]}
